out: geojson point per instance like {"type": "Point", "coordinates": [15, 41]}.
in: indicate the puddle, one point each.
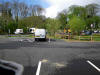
{"type": "Point", "coordinates": [44, 61]}
{"type": "Point", "coordinates": [59, 65]}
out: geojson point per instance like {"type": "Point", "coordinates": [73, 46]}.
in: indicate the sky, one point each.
{"type": "Point", "coordinates": [53, 7]}
{"type": "Point", "coordinates": [57, 6]}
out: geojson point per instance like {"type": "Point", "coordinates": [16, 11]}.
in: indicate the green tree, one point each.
{"type": "Point", "coordinates": [77, 11]}
{"type": "Point", "coordinates": [34, 21]}
{"type": "Point", "coordinates": [52, 26]}
{"type": "Point", "coordinates": [77, 24]}
{"type": "Point", "coordinates": [88, 13]}
{"type": "Point", "coordinates": [92, 10]}
{"type": "Point", "coordinates": [63, 20]}
{"type": "Point", "coordinates": [95, 20]}
{"type": "Point", "coordinates": [12, 26]}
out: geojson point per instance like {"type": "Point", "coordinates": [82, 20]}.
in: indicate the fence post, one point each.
{"type": "Point", "coordinates": [91, 38]}
{"type": "Point", "coordinates": [68, 36]}
{"type": "Point", "coordinates": [79, 38]}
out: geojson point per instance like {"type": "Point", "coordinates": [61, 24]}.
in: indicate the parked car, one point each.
{"type": "Point", "coordinates": [19, 31]}
{"type": "Point", "coordinates": [32, 30]}
{"type": "Point", "coordinates": [96, 31]}
{"type": "Point", "coordinates": [86, 32]}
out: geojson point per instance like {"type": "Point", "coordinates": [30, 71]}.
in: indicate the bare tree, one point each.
{"type": "Point", "coordinates": [37, 10]}
{"type": "Point", "coordinates": [23, 9]}
{"type": "Point", "coordinates": [15, 9]}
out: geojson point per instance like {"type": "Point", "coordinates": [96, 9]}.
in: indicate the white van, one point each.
{"type": "Point", "coordinates": [40, 34]}
{"type": "Point", "coordinates": [19, 31]}
{"type": "Point", "coordinates": [32, 30]}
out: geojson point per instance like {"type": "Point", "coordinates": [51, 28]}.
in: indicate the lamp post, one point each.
{"type": "Point", "coordinates": [92, 31]}
{"type": "Point", "coordinates": [92, 27]}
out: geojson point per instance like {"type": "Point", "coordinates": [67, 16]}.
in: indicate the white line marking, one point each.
{"type": "Point", "coordinates": [94, 66]}
{"type": "Point", "coordinates": [38, 69]}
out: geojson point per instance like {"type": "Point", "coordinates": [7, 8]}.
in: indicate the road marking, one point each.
{"type": "Point", "coordinates": [38, 69]}
{"type": "Point", "coordinates": [93, 66]}
{"type": "Point", "coordinates": [49, 40]}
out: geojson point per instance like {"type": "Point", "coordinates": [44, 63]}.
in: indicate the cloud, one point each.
{"type": "Point", "coordinates": [57, 6]}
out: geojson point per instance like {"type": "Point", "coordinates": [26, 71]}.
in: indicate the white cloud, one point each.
{"type": "Point", "coordinates": [58, 5]}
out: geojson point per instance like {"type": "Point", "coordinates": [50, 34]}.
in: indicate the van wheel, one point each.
{"type": "Point", "coordinates": [35, 39]}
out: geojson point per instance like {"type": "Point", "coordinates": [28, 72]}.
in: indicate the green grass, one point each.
{"type": "Point", "coordinates": [82, 38]}
{"type": "Point", "coordinates": [87, 38]}
{"type": "Point", "coordinates": [96, 38]}
{"type": "Point", "coordinates": [53, 37]}
{"type": "Point", "coordinates": [30, 35]}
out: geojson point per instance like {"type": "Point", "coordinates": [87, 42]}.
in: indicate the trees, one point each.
{"type": "Point", "coordinates": [63, 20]}
{"type": "Point", "coordinates": [6, 16]}
{"type": "Point", "coordinates": [18, 14]}
{"type": "Point", "coordinates": [52, 25]}
{"type": "Point", "coordinates": [36, 10]}
{"type": "Point", "coordinates": [95, 20]}
{"type": "Point", "coordinates": [15, 10]}
{"type": "Point", "coordinates": [77, 24]}
{"type": "Point", "coordinates": [87, 13]}
{"type": "Point", "coordinates": [77, 11]}
{"type": "Point", "coordinates": [77, 16]}
{"type": "Point", "coordinates": [92, 9]}
{"type": "Point", "coordinates": [33, 21]}
{"type": "Point", "coordinates": [23, 10]}
{"type": "Point", "coordinates": [92, 18]}
{"type": "Point", "coordinates": [1, 25]}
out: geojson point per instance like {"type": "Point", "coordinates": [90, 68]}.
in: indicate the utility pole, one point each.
{"type": "Point", "coordinates": [92, 31]}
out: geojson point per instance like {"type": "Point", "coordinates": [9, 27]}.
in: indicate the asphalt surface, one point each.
{"type": "Point", "coordinates": [58, 57]}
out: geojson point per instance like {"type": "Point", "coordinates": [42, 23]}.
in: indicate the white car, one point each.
{"type": "Point", "coordinates": [19, 31]}
{"type": "Point", "coordinates": [96, 31]}
{"type": "Point", "coordinates": [32, 30]}
{"type": "Point", "coordinates": [40, 34]}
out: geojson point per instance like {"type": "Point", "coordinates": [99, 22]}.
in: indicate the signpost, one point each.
{"type": "Point", "coordinates": [92, 31]}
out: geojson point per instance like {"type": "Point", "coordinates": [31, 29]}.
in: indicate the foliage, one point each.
{"type": "Point", "coordinates": [95, 20]}
{"type": "Point", "coordinates": [12, 26]}
{"type": "Point", "coordinates": [77, 11]}
{"type": "Point", "coordinates": [34, 21]}
{"type": "Point", "coordinates": [76, 25]}
{"type": "Point", "coordinates": [87, 13]}
{"type": "Point", "coordinates": [92, 9]}
{"type": "Point", "coordinates": [63, 20]}
{"type": "Point", "coordinates": [52, 25]}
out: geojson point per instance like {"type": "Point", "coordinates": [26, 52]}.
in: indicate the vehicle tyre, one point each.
{"type": "Point", "coordinates": [35, 39]}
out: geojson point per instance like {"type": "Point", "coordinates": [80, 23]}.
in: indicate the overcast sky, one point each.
{"type": "Point", "coordinates": [56, 6]}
